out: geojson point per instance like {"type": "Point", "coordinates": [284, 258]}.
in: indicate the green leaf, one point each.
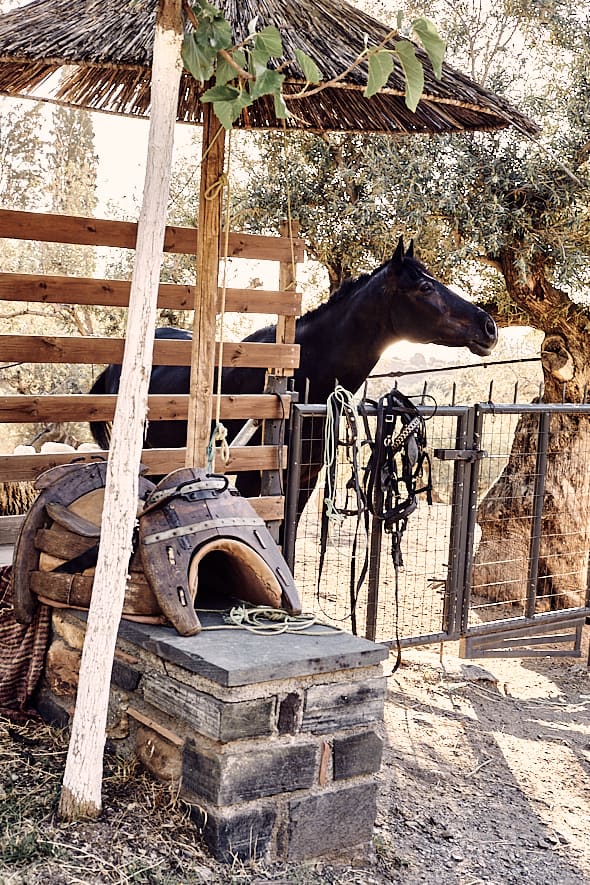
{"type": "Point", "coordinates": [219, 35]}
{"type": "Point", "coordinates": [268, 40]}
{"type": "Point", "coordinates": [229, 111]}
{"type": "Point", "coordinates": [281, 110]}
{"type": "Point", "coordinates": [221, 93]}
{"type": "Point", "coordinates": [225, 73]}
{"type": "Point", "coordinates": [413, 72]}
{"type": "Point", "coordinates": [400, 18]}
{"type": "Point", "coordinates": [258, 62]}
{"type": "Point", "coordinates": [380, 67]}
{"type": "Point", "coordinates": [198, 60]}
{"type": "Point", "coordinates": [432, 43]}
{"type": "Point", "coordinates": [205, 11]}
{"type": "Point", "coordinates": [268, 83]}
{"type": "Point", "coordinates": [311, 72]}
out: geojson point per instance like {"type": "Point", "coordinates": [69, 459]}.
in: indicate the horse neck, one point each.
{"type": "Point", "coordinates": [346, 340]}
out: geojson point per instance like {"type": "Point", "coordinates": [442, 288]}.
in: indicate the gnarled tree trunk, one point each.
{"type": "Point", "coordinates": [505, 515]}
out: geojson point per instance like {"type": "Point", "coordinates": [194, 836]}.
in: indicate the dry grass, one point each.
{"type": "Point", "coordinates": [144, 835]}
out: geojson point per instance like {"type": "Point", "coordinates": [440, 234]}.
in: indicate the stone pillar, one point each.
{"type": "Point", "coordinates": [273, 740]}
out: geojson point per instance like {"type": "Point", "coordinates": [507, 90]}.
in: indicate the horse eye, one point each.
{"type": "Point", "coordinates": [425, 287]}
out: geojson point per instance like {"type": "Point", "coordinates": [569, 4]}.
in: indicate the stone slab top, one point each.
{"type": "Point", "coordinates": [234, 656]}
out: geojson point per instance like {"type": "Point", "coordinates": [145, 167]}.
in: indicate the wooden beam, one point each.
{"type": "Point", "coordinates": [51, 289]}
{"type": "Point", "coordinates": [81, 791]}
{"type": "Point", "coordinates": [203, 358]}
{"type": "Point", "coordinates": [21, 468]}
{"type": "Point", "coordinates": [269, 508]}
{"type": "Point", "coordinates": [100, 351]}
{"type": "Point", "coordinates": [77, 230]}
{"type": "Point", "coordinates": [19, 409]}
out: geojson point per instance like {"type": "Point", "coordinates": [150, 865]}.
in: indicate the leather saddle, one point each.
{"type": "Point", "coordinates": [197, 534]}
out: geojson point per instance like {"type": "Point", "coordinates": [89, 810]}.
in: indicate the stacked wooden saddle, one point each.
{"type": "Point", "coordinates": [195, 535]}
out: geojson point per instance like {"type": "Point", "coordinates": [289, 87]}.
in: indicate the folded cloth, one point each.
{"type": "Point", "coordinates": [22, 653]}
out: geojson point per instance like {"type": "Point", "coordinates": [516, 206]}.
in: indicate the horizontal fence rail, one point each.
{"type": "Point", "coordinates": [280, 357]}
{"type": "Point", "coordinates": [169, 352]}
{"type": "Point", "coordinates": [80, 231]}
{"type": "Point", "coordinates": [83, 407]}
{"type": "Point", "coordinates": [51, 289]}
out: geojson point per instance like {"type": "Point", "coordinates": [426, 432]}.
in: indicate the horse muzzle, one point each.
{"type": "Point", "coordinates": [486, 339]}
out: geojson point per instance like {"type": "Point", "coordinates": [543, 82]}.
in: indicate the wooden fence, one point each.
{"type": "Point", "coordinates": [282, 356]}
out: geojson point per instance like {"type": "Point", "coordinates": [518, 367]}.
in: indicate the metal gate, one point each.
{"type": "Point", "coordinates": [481, 564]}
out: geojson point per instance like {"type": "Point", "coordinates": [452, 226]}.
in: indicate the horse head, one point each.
{"type": "Point", "coordinates": [424, 310]}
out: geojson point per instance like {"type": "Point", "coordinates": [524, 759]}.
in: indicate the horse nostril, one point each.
{"type": "Point", "coordinates": [490, 328]}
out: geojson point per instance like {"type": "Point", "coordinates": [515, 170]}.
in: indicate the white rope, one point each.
{"type": "Point", "coordinates": [266, 620]}
{"type": "Point", "coordinates": [218, 444]}
{"type": "Point", "coordinates": [342, 399]}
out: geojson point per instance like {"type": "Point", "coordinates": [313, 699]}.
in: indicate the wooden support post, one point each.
{"type": "Point", "coordinates": [81, 792]}
{"type": "Point", "coordinates": [272, 482]}
{"type": "Point", "coordinates": [287, 281]}
{"type": "Point", "coordinates": [208, 236]}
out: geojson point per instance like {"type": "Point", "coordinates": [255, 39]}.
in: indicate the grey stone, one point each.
{"type": "Point", "coordinates": [357, 754]}
{"type": "Point", "coordinates": [289, 709]}
{"type": "Point", "coordinates": [240, 776]}
{"type": "Point", "coordinates": [243, 835]}
{"type": "Point", "coordinates": [332, 707]}
{"type": "Point", "coordinates": [238, 657]}
{"type": "Point", "coordinates": [220, 720]}
{"type": "Point", "coordinates": [331, 822]}
{"type": "Point", "coordinates": [124, 676]}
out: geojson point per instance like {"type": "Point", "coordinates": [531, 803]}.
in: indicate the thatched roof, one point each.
{"type": "Point", "coordinates": [110, 44]}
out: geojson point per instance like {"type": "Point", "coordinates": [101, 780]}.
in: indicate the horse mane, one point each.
{"type": "Point", "coordinates": [348, 285]}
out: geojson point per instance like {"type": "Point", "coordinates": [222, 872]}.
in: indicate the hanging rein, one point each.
{"type": "Point", "coordinates": [397, 471]}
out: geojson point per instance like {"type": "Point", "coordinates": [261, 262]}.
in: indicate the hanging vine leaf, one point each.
{"type": "Point", "coordinates": [432, 43]}
{"type": "Point", "coordinates": [413, 72]}
{"type": "Point", "coordinates": [269, 40]}
{"type": "Point", "coordinates": [208, 52]}
{"type": "Point", "coordinates": [311, 72]}
{"type": "Point", "coordinates": [267, 83]}
{"type": "Point", "coordinates": [380, 67]}
{"type": "Point", "coordinates": [198, 60]}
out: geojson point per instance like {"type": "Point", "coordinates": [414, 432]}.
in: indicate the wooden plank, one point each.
{"type": "Point", "coordinates": [285, 332]}
{"type": "Point", "coordinates": [18, 468]}
{"type": "Point", "coordinates": [19, 409]}
{"type": "Point", "coordinates": [10, 527]}
{"type": "Point", "coordinates": [54, 349]}
{"type": "Point", "coordinates": [51, 289]}
{"type": "Point", "coordinates": [269, 508]}
{"type": "Point", "coordinates": [77, 230]}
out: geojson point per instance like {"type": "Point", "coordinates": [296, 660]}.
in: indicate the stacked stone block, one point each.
{"type": "Point", "coordinates": [272, 740]}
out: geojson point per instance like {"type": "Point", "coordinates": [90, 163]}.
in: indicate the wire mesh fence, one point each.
{"type": "Point", "coordinates": [506, 536]}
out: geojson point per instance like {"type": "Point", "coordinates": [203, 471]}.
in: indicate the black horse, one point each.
{"type": "Point", "coordinates": [342, 339]}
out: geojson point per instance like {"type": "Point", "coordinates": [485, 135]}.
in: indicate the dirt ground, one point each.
{"type": "Point", "coordinates": [485, 779]}
{"type": "Point", "coordinates": [486, 775]}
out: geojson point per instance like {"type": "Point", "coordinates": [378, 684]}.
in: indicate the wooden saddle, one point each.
{"type": "Point", "coordinates": [55, 555]}
{"type": "Point", "coordinates": [196, 535]}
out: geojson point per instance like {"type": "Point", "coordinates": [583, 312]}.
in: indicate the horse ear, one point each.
{"type": "Point", "coordinates": [398, 255]}
{"type": "Point", "coordinates": [410, 252]}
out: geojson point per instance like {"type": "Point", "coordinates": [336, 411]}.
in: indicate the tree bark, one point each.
{"type": "Point", "coordinates": [81, 792]}
{"type": "Point", "coordinates": [505, 514]}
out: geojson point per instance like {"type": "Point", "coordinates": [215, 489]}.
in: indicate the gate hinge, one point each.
{"type": "Point", "coordinates": [460, 454]}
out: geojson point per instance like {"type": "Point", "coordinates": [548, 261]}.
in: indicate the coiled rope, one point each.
{"type": "Point", "coordinates": [266, 620]}
{"type": "Point", "coordinates": [340, 401]}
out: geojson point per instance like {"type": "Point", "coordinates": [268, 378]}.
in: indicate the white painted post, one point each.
{"type": "Point", "coordinates": [81, 791]}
